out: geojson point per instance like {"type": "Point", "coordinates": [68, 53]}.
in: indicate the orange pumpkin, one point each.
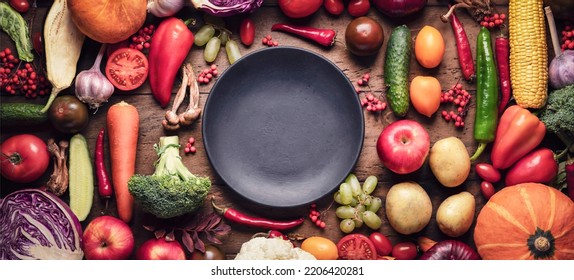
{"type": "Point", "coordinates": [526, 221]}
{"type": "Point", "coordinates": [108, 21]}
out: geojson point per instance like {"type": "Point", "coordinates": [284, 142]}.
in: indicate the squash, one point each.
{"type": "Point", "coordinates": [108, 21]}
{"type": "Point", "coordinates": [526, 221]}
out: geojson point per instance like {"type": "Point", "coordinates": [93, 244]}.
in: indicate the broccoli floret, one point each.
{"type": "Point", "coordinates": [558, 115]}
{"type": "Point", "coordinates": [172, 190]}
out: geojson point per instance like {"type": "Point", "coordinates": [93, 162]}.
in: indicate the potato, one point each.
{"type": "Point", "coordinates": [455, 214]}
{"type": "Point", "coordinates": [408, 207]}
{"type": "Point", "coordinates": [449, 161]}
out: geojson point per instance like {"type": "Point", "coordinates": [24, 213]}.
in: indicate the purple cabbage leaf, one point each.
{"type": "Point", "coordinates": [225, 8]}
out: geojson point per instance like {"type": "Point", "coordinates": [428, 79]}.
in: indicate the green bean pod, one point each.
{"type": "Point", "coordinates": [486, 118]}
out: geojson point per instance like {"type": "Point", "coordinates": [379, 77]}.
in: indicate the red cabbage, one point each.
{"type": "Point", "coordinates": [224, 8]}
{"type": "Point", "coordinates": [38, 225]}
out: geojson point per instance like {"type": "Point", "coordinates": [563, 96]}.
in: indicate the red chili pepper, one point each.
{"type": "Point", "coordinates": [325, 37]}
{"type": "Point", "coordinates": [171, 43]}
{"type": "Point", "coordinates": [243, 219]}
{"type": "Point", "coordinates": [502, 50]}
{"type": "Point", "coordinates": [538, 166]}
{"type": "Point", "coordinates": [463, 48]}
{"type": "Point", "coordinates": [569, 168]}
{"type": "Point", "coordinates": [104, 185]}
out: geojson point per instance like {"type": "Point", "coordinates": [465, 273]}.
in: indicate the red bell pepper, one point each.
{"type": "Point", "coordinates": [171, 43]}
{"type": "Point", "coordinates": [519, 132]}
{"type": "Point", "coordinates": [538, 166]}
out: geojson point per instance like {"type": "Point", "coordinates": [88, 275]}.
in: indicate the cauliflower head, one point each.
{"type": "Point", "coordinates": [262, 248]}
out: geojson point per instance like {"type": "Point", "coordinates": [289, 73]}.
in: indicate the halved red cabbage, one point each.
{"type": "Point", "coordinates": [38, 225]}
{"type": "Point", "coordinates": [224, 8]}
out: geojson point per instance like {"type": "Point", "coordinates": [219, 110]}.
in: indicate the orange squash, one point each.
{"type": "Point", "coordinates": [108, 21]}
{"type": "Point", "coordinates": [526, 221]}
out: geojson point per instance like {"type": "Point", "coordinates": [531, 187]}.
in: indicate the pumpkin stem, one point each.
{"type": "Point", "coordinates": [542, 244]}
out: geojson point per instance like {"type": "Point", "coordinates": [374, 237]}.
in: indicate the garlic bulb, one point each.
{"type": "Point", "coordinates": [92, 87]}
{"type": "Point", "coordinates": [164, 8]}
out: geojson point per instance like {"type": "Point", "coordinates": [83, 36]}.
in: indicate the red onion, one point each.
{"type": "Point", "coordinates": [399, 8]}
{"type": "Point", "coordinates": [450, 250]}
{"type": "Point", "coordinates": [561, 69]}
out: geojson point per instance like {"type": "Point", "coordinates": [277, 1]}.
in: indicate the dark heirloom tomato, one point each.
{"type": "Point", "coordinates": [356, 246]}
{"type": "Point", "coordinates": [24, 158]}
{"type": "Point", "coordinates": [364, 36]}
{"type": "Point", "coordinates": [450, 250]}
{"type": "Point", "coordinates": [405, 251]}
{"type": "Point", "coordinates": [212, 252]}
{"type": "Point", "coordinates": [299, 8]}
{"type": "Point", "coordinates": [68, 114]}
{"type": "Point", "coordinates": [127, 68]}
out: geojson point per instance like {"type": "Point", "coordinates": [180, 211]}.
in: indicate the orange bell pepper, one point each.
{"type": "Point", "coordinates": [519, 132]}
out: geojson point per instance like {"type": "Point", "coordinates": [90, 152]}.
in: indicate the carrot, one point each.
{"type": "Point", "coordinates": [123, 129]}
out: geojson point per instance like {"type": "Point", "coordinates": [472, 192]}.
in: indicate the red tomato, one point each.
{"type": "Point", "coordinates": [405, 251]}
{"type": "Point", "coordinates": [487, 172]}
{"type": "Point", "coordinates": [127, 68]}
{"type": "Point", "coordinates": [383, 245]}
{"type": "Point", "coordinates": [247, 31]}
{"type": "Point", "coordinates": [487, 189]}
{"type": "Point", "coordinates": [25, 158]}
{"type": "Point", "coordinates": [334, 7]}
{"type": "Point", "coordinates": [299, 8]}
{"type": "Point", "coordinates": [21, 6]}
{"type": "Point", "coordinates": [358, 8]}
{"type": "Point", "coordinates": [356, 246]}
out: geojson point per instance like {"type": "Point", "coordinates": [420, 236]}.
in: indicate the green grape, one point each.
{"type": "Point", "coordinates": [372, 220]}
{"type": "Point", "coordinates": [337, 197]}
{"type": "Point", "coordinates": [358, 222]}
{"type": "Point", "coordinates": [224, 36]}
{"type": "Point", "coordinates": [347, 225]}
{"type": "Point", "coordinates": [345, 212]}
{"type": "Point", "coordinates": [203, 35]}
{"type": "Point", "coordinates": [368, 200]}
{"type": "Point", "coordinates": [233, 52]}
{"type": "Point", "coordinates": [355, 184]}
{"type": "Point", "coordinates": [354, 202]}
{"type": "Point", "coordinates": [362, 197]}
{"type": "Point", "coordinates": [370, 184]}
{"type": "Point", "coordinates": [376, 204]}
{"type": "Point", "coordinates": [211, 49]}
{"type": "Point", "coordinates": [346, 193]}
{"type": "Point", "coordinates": [360, 208]}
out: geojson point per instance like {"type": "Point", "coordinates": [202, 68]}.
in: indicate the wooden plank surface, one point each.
{"type": "Point", "coordinates": [151, 115]}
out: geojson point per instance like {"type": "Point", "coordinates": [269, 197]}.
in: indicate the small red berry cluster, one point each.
{"type": "Point", "coordinates": [268, 41]}
{"type": "Point", "coordinates": [461, 99]}
{"type": "Point", "coordinates": [189, 146]}
{"type": "Point", "coordinates": [567, 37]}
{"type": "Point", "coordinates": [315, 216]}
{"type": "Point", "coordinates": [141, 40]}
{"type": "Point", "coordinates": [207, 74]}
{"type": "Point", "coordinates": [23, 80]}
{"type": "Point", "coordinates": [370, 101]}
{"type": "Point", "coordinates": [495, 20]}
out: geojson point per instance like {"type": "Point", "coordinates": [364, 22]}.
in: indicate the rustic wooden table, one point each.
{"type": "Point", "coordinates": [151, 114]}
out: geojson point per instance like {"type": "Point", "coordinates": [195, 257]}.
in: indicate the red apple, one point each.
{"type": "Point", "coordinates": [403, 146]}
{"type": "Point", "coordinates": [108, 238]}
{"type": "Point", "coordinates": [160, 249]}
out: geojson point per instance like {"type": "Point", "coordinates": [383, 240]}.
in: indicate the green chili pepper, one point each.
{"type": "Point", "coordinates": [486, 117]}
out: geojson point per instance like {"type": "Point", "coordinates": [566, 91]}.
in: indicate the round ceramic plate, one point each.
{"type": "Point", "coordinates": [283, 126]}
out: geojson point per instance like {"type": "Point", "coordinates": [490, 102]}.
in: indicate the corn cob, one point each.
{"type": "Point", "coordinates": [528, 53]}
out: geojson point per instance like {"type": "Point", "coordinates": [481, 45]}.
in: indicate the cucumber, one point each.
{"type": "Point", "coordinates": [396, 72]}
{"type": "Point", "coordinates": [81, 180]}
{"type": "Point", "coordinates": [21, 114]}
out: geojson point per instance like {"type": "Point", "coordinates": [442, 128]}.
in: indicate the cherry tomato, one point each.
{"type": "Point", "coordinates": [25, 158]}
{"type": "Point", "coordinates": [21, 6]}
{"type": "Point", "coordinates": [405, 251]}
{"type": "Point", "coordinates": [487, 189]}
{"type": "Point", "coordinates": [275, 234]}
{"type": "Point", "coordinates": [212, 252]}
{"type": "Point", "coordinates": [127, 68]}
{"type": "Point", "coordinates": [383, 245]}
{"type": "Point", "coordinates": [68, 114]}
{"type": "Point", "coordinates": [356, 246]}
{"type": "Point", "coordinates": [487, 172]}
{"type": "Point", "coordinates": [299, 8]}
{"type": "Point", "coordinates": [320, 247]}
{"type": "Point", "coordinates": [334, 7]}
{"type": "Point", "coordinates": [364, 36]}
{"type": "Point", "coordinates": [358, 8]}
{"type": "Point", "coordinates": [247, 31]}
{"type": "Point", "coordinates": [38, 42]}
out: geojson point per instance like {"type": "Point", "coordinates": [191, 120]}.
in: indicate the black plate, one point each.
{"type": "Point", "coordinates": [283, 126]}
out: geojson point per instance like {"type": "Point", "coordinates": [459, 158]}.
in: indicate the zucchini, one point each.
{"type": "Point", "coordinates": [396, 72]}
{"type": "Point", "coordinates": [21, 114]}
{"type": "Point", "coordinates": [81, 182]}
